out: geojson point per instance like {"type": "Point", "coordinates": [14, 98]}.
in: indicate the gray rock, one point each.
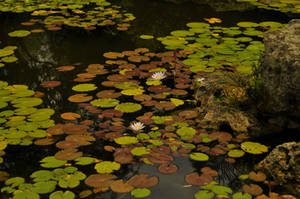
{"type": "Point", "coordinates": [281, 71]}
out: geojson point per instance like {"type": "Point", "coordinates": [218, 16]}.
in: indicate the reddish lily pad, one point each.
{"type": "Point", "coordinates": [68, 154]}
{"type": "Point", "coordinates": [50, 84]}
{"type": "Point", "coordinates": [253, 189]}
{"type": "Point", "coordinates": [70, 116]}
{"type": "Point", "coordinates": [167, 169]}
{"type": "Point", "coordinates": [143, 181]}
{"type": "Point", "coordinates": [80, 98]}
{"type": "Point", "coordinates": [196, 180]}
{"type": "Point", "coordinates": [65, 68]}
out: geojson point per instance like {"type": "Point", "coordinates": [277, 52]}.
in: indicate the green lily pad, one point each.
{"type": "Point", "coordinates": [140, 192]}
{"type": "Point", "coordinates": [135, 91]}
{"type": "Point", "coordinates": [6, 52]}
{"type": "Point", "coordinates": [19, 33]}
{"type": "Point", "coordinates": [254, 147]}
{"type": "Point", "coordinates": [84, 87]}
{"type": "Point", "coordinates": [26, 195]}
{"type": "Point", "coordinates": [44, 187]}
{"type": "Point", "coordinates": [26, 102]}
{"type": "Point", "coordinates": [128, 107]}
{"type": "Point", "coordinates": [199, 156]}
{"type": "Point", "coordinates": [146, 37]}
{"type": "Point", "coordinates": [221, 190]}
{"type": "Point", "coordinates": [84, 160]}
{"type": "Point", "coordinates": [41, 175]}
{"type": "Point", "coordinates": [186, 133]}
{"type": "Point", "coordinates": [52, 162]}
{"type": "Point", "coordinates": [247, 24]}
{"type": "Point", "coordinates": [240, 195]}
{"type": "Point", "coordinates": [14, 182]}
{"type": "Point", "coordinates": [138, 151]}
{"type": "Point", "coordinates": [236, 153]}
{"type": "Point", "coordinates": [9, 59]}
{"type": "Point", "coordinates": [107, 167]}
{"type": "Point", "coordinates": [105, 102]}
{"type": "Point", "coordinates": [126, 140]}
{"type": "Point", "coordinates": [204, 194]}
{"type": "Point", "coordinates": [62, 195]}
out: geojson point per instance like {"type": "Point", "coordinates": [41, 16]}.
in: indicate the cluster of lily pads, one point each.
{"type": "Point", "coordinates": [22, 122]}
{"type": "Point", "coordinates": [54, 14]}
{"type": "Point", "coordinates": [220, 48]}
{"type": "Point", "coordinates": [278, 5]}
{"type": "Point", "coordinates": [7, 55]}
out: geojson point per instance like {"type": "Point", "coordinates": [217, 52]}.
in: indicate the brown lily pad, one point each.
{"type": "Point", "coordinates": [196, 180]}
{"type": "Point", "coordinates": [158, 89]}
{"type": "Point", "coordinates": [189, 114]}
{"type": "Point", "coordinates": [65, 68]}
{"type": "Point", "coordinates": [209, 171]}
{"type": "Point", "coordinates": [113, 55]}
{"type": "Point", "coordinates": [120, 187]}
{"type": "Point", "coordinates": [142, 97]}
{"type": "Point", "coordinates": [67, 144]}
{"type": "Point", "coordinates": [253, 189]}
{"type": "Point", "coordinates": [143, 181]}
{"type": "Point", "coordinates": [70, 116]}
{"type": "Point", "coordinates": [56, 130]}
{"type": "Point", "coordinates": [44, 142]}
{"type": "Point", "coordinates": [167, 168]}
{"type": "Point", "coordinates": [100, 180]}
{"type": "Point", "coordinates": [220, 136]}
{"type": "Point", "coordinates": [68, 154]}
{"type": "Point", "coordinates": [78, 98]}
{"type": "Point", "coordinates": [257, 177]}
{"type": "Point", "coordinates": [108, 94]}
{"type": "Point", "coordinates": [82, 140]}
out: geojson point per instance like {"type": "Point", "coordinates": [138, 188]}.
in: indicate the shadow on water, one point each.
{"type": "Point", "coordinates": [41, 53]}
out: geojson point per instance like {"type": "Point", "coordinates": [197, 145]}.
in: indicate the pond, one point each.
{"type": "Point", "coordinates": [97, 97]}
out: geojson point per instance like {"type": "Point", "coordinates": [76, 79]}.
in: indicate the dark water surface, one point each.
{"type": "Point", "coordinates": [41, 53]}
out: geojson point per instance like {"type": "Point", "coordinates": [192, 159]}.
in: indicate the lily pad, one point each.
{"type": "Point", "coordinates": [126, 140]}
{"type": "Point", "coordinates": [140, 192]}
{"type": "Point", "coordinates": [19, 33]}
{"type": "Point", "coordinates": [107, 167]}
{"type": "Point", "coordinates": [128, 107]}
{"type": "Point", "coordinates": [105, 102]}
{"type": "Point", "coordinates": [199, 156]}
{"type": "Point", "coordinates": [254, 147]}
{"type": "Point", "coordinates": [84, 87]}
{"type": "Point", "coordinates": [62, 195]}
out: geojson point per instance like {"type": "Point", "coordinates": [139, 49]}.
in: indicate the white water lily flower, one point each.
{"type": "Point", "coordinates": [136, 126]}
{"type": "Point", "coordinates": [158, 75]}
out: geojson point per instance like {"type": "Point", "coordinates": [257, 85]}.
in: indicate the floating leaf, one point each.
{"type": "Point", "coordinates": [84, 87]}
{"type": "Point", "coordinates": [26, 195]}
{"type": "Point", "coordinates": [186, 133]}
{"type": "Point", "coordinates": [19, 33]}
{"type": "Point", "coordinates": [128, 107]}
{"type": "Point", "coordinates": [204, 194]}
{"type": "Point", "coordinates": [50, 84]}
{"type": "Point", "coordinates": [62, 195]}
{"type": "Point", "coordinates": [138, 151]}
{"type": "Point", "coordinates": [146, 37]}
{"type": "Point", "coordinates": [126, 140]}
{"type": "Point", "coordinates": [236, 153]}
{"type": "Point", "coordinates": [105, 102]}
{"type": "Point", "coordinates": [107, 167]}
{"type": "Point", "coordinates": [167, 168]}
{"type": "Point", "coordinates": [254, 147]}
{"type": "Point", "coordinates": [84, 160]}
{"type": "Point", "coordinates": [240, 195]}
{"type": "Point", "coordinates": [52, 162]}
{"type": "Point", "coordinates": [199, 156]}
{"type": "Point", "coordinates": [253, 189]}
{"type": "Point", "coordinates": [140, 192]}
{"type": "Point", "coordinates": [70, 116]}
{"type": "Point", "coordinates": [41, 175]}
{"type": "Point", "coordinates": [44, 187]}
{"type": "Point", "coordinates": [221, 190]}
{"type": "Point", "coordinates": [143, 181]}
{"type": "Point", "coordinates": [100, 180]}
{"type": "Point", "coordinates": [120, 187]}
{"type": "Point", "coordinates": [257, 177]}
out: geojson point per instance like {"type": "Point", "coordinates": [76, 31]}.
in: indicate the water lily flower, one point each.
{"type": "Point", "coordinates": [136, 126]}
{"type": "Point", "coordinates": [158, 75]}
